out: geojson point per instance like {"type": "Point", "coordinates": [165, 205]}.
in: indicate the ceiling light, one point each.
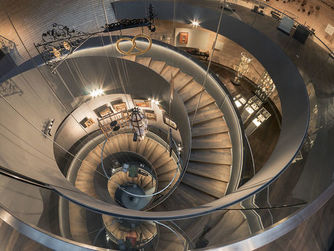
{"type": "Point", "coordinates": [97, 92]}
{"type": "Point", "coordinates": [195, 23]}
{"type": "Point", "coordinates": [154, 101]}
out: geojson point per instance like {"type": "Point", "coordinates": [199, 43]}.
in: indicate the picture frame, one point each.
{"type": "Point", "coordinates": [150, 115]}
{"type": "Point", "coordinates": [142, 103]}
{"type": "Point", "coordinates": [169, 122]}
{"type": "Point", "coordinates": [103, 111]}
{"type": "Point", "coordinates": [183, 37]}
{"type": "Point", "coordinates": [87, 122]}
{"type": "Point", "coordinates": [119, 106]}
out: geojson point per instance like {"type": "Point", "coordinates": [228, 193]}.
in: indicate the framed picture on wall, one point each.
{"type": "Point", "coordinates": [150, 115]}
{"type": "Point", "coordinates": [86, 122]}
{"type": "Point", "coordinates": [119, 106]}
{"type": "Point", "coordinates": [169, 122]}
{"type": "Point", "coordinates": [102, 111]}
{"type": "Point", "coordinates": [143, 103]}
{"type": "Point", "coordinates": [183, 37]}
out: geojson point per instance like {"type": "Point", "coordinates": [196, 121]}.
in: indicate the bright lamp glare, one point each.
{"type": "Point", "coordinates": [155, 101]}
{"type": "Point", "coordinates": [194, 23]}
{"type": "Point", "coordinates": [95, 93]}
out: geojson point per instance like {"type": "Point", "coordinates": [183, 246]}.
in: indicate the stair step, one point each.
{"type": "Point", "coordinates": [144, 61]}
{"type": "Point", "coordinates": [185, 197]}
{"type": "Point", "coordinates": [205, 116]}
{"type": "Point", "coordinates": [190, 91]}
{"type": "Point", "coordinates": [210, 123]}
{"type": "Point", "coordinates": [150, 227]}
{"type": "Point", "coordinates": [115, 144]}
{"type": "Point", "coordinates": [151, 151]}
{"type": "Point", "coordinates": [194, 228]}
{"type": "Point", "coordinates": [162, 161]}
{"type": "Point", "coordinates": [157, 66]}
{"type": "Point", "coordinates": [141, 146]}
{"type": "Point", "coordinates": [227, 226]}
{"type": "Point", "coordinates": [148, 148]}
{"type": "Point", "coordinates": [220, 157]}
{"type": "Point", "coordinates": [217, 172]}
{"type": "Point", "coordinates": [168, 176]}
{"type": "Point", "coordinates": [123, 142]}
{"type": "Point", "coordinates": [170, 165]}
{"type": "Point", "coordinates": [210, 186]}
{"type": "Point", "coordinates": [159, 151]}
{"type": "Point", "coordinates": [108, 148]}
{"type": "Point", "coordinates": [201, 145]}
{"type": "Point", "coordinates": [181, 80]}
{"type": "Point", "coordinates": [146, 234]}
{"type": "Point", "coordinates": [203, 104]}
{"type": "Point", "coordinates": [130, 57]}
{"type": "Point", "coordinates": [205, 131]}
{"type": "Point", "coordinates": [194, 101]}
{"type": "Point", "coordinates": [169, 72]}
{"type": "Point", "coordinates": [216, 141]}
{"type": "Point", "coordinates": [146, 182]}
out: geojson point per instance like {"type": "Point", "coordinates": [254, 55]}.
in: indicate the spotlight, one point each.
{"type": "Point", "coordinates": [154, 101]}
{"type": "Point", "coordinates": [97, 92]}
{"type": "Point", "coordinates": [195, 23]}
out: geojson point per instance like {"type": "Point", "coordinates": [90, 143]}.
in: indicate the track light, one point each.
{"type": "Point", "coordinates": [97, 92]}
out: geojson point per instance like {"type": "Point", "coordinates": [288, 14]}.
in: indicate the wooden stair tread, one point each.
{"type": "Point", "coordinates": [148, 148]}
{"type": "Point", "coordinates": [123, 142]}
{"type": "Point", "coordinates": [205, 116]}
{"type": "Point", "coordinates": [157, 153]}
{"type": "Point", "coordinates": [167, 167]}
{"type": "Point", "coordinates": [157, 66]}
{"type": "Point", "coordinates": [228, 225]}
{"type": "Point", "coordinates": [144, 61]}
{"type": "Point", "coordinates": [218, 172]}
{"type": "Point", "coordinates": [168, 176]}
{"type": "Point", "coordinates": [190, 91]}
{"type": "Point", "coordinates": [216, 122]}
{"type": "Point", "coordinates": [169, 72]}
{"type": "Point", "coordinates": [185, 197]}
{"type": "Point", "coordinates": [203, 104]}
{"type": "Point", "coordinates": [204, 130]}
{"type": "Point", "coordinates": [209, 145]}
{"type": "Point", "coordinates": [130, 57]}
{"type": "Point", "coordinates": [141, 146]}
{"type": "Point", "coordinates": [164, 159]}
{"type": "Point", "coordinates": [222, 141]}
{"type": "Point", "coordinates": [211, 157]}
{"type": "Point", "coordinates": [212, 187]}
{"type": "Point", "coordinates": [181, 80]}
{"type": "Point", "coordinates": [194, 101]}
{"type": "Point", "coordinates": [207, 111]}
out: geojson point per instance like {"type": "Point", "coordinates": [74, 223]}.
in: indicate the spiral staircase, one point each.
{"type": "Point", "coordinates": [208, 173]}
{"type": "Point", "coordinates": [199, 199]}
